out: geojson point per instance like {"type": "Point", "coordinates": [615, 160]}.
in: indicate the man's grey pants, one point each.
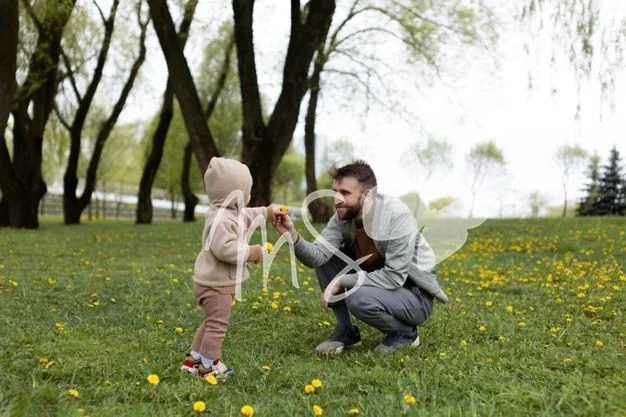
{"type": "Point", "coordinates": [397, 310]}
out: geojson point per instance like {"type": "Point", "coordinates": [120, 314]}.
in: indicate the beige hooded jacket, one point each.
{"type": "Point", "coordinates": [228, 184]}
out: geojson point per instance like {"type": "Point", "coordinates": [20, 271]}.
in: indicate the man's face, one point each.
{"type": "Point", "coordinates": [349, 198]}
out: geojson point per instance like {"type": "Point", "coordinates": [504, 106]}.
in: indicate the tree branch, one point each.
{"type": "Point", "coordinates": [70, 73]}
{"type": "Point", "coordinates": [57, 111]}
{"type": "Point", "coordinates": [221, 82]}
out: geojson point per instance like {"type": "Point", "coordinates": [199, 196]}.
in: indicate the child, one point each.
{"type": "Point", "coordinates": [215, 270]}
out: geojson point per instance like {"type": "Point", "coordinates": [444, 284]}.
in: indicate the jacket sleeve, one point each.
{"type": "Point", "coordinates": [250, 213]}
{"type": "Point", "coordinates": [225, 244]}
{"type": "Point", "coordinates": [317, 253]}
{"type": "Point", "coordinates": [398, 258]}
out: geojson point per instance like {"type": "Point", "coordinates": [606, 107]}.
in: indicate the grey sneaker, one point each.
{"type": "Point", "coordinates": [339, 339]}
{"type": "Point", "coordinates": [394, 340]}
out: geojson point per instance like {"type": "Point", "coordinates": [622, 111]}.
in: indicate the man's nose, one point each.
{"type": "Point", "coordinates": [337, 199]}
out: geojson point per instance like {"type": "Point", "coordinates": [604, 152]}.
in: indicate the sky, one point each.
{"type": "Point", "coordinates": [479, 101]}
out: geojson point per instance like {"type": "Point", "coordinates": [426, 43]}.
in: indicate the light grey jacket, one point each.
{"type": "Point", "coordinates": [394, 230]}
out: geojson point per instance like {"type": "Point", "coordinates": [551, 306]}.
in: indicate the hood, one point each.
{"type": "Point", "coordinates": [225, 176]}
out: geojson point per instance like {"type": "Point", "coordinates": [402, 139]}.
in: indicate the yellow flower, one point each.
{"type": "Point", "coordinates": [521, 324]}
{"type": "Point", "coordinates": [509, 309]}
{"type": "Point", "coordinates": [284, 209]}
{"type": "Point", "coordinates": [353, 411]}
{"type": "Point", "coordinates": [482, 328]}
{"type": "Point", "coordinates": [309, 389]}
{"type": "Point", "coordinates": [317, 410]}
{"type": "Point", "coordinates": [43, 361]}
{"type": "Point", "coordinates": [153, 379]}
{"type": "Point", "coordinates": [488, 303]}
{"type": "Point", "coordinates": [179, 330]}
{"type": "Point", "coordinates": [463, 343]}
{"type": "Point", "coordinates": [268, 246]}
{"type": "Point", "coordinates": [247, 411]}
{"type": "Point", "coordinates": [210, 378]}
{"type": "Point", "coordinates": [265, 368]}
{"type": "Point", "coordinates": [599, 344]}
{"type": "Point", "coordinates": [316, 383]}
{"type": "Point", "coordinates": [74, 393]}
{"type": "Point", "coordinates": [567, 360]}
{"type": "Point", "coordinates": [287, 309]}
{"type": "Point", "coordinates": [409, 399]}
{"type": "Point", "coordinates": [113, 300]}
{"type": "Point", "coordinates": [199, 406]}
{"type": "Point", "coordinates": [442, 355]}
{"type": "Point", "coordinates": [501, 338]}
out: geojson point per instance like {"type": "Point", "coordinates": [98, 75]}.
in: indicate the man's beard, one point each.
{"type": "Point", "coordinates": [347, 212]}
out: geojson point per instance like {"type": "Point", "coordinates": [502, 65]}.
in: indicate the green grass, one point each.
{"type": "Point", "coordinates": [563, 280]}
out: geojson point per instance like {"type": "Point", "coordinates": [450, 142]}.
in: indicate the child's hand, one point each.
{"type": "Point", "coordinates": [257, 252]}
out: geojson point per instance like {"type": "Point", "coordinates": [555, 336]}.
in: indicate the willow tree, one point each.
{"type": "Point", "coordinates": [352, 54]}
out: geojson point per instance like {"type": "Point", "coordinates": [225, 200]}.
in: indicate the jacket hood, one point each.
{"type": "Point", "coordinates": [225, 176]}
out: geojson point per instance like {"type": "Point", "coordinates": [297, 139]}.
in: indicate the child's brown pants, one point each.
{"type": "Point", "coordinates": [216, 303]}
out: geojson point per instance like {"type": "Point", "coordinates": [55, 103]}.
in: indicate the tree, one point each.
{"type": "Point", "coordinates": [422, 28]}
{"type": "Point", "coordinates": [9, 28]}
{"type": "Point", "coordinates": [202, 142]}
{"type": "Point", "coordinates": [434, 156]}
{"type": "Point", "coordinates": [537, 203]}
{"type": "Point", "coordinates": [570, 158]}
{"type": "Point", "coordinates": [441, 202]}
{"type": "Point", "coordinates": [483, 159]}
{"type": "Point", "coordinates": [264, 144]}
{"type": "Point", "coordinates": [21, 179]}
{"type": "Point", "coordinates": [611, 198]}
{"type": "Point", "coordinates": [338, 152]}
{"type": "Point", "coordinates": [588, 203]}
{"type": "Point", "coordinates": [73, 204]}
{"type": "Point", "coordinates": [415, 203]}
{"type": "Point", "coordinates": [144, 196]}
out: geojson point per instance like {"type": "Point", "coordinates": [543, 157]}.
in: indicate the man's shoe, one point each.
{"type": "Point", "coordinates": [340, 339]}
{"type": "Point", "coordinates": [394, 340]}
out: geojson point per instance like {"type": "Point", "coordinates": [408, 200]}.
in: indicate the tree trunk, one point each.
{"type": "Point", "coordinates": [564, 201]}
{"type": "Point", "coordinates": [264, 146]}
{"type": "Point", "coordinates": [21, 181]}
{"type": "Point", "coordinates": [320, 212]}
{"type": "Point", "coordinates": [144, 203]}
{"type": "Point", "coordinates": [183, 84]}
{"type": "Point", "coordinates": [189, 197]}
{"type": "Point", "coordinates": [74, 205]}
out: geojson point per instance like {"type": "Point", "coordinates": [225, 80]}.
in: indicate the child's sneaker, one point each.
{"type": "Point", "coordinates": [190, 364]}
{"type": "Point", "coordinates": [219, 370]}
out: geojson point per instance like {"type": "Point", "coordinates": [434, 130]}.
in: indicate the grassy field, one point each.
{"type": "Point", "coordinates": [535, 326]}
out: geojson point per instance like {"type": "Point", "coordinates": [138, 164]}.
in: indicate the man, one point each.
{"type": "Point", "coordinates": [394, 287]}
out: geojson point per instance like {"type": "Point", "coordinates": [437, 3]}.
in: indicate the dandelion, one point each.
{"type": "Point", "coordinates": [567, 360]}
{"type": "Point", "coordinates": [316, 383]}
{"type": "Point", "coordinates": [353, 411]}
{"type": "Point", "coordinates": [247, 411]}
{"type": "Point", "coordinates": [73, 393]}
{"type": "Point", "coordinates": [488, 303]}
{"type": "Point", "coordinates": [442, 355]}
{"type": "Point", "coordinates": [284, 209]}
{"type": "Point", "coordinates": [59, 326]}
{"type": "Point", "coordinates": [287, 309]}
{"type": "Point", "coordinates": [409, 399]}
{"type": "Point", "coordinates": [599, 344]}
{"type": "Point", "coordinates": [153, 379]}
{"type": "Point", "coordinates": [265, 368]}
{"type": "Point", "coordinates": [43, 361]}
{"type": "Point", "coordinates": [317, 410]}
{"type": "Point", "coordinates": [113, 300]}
{"type": "Point", "coordinates": [482, 328]}
{"type": "Point", "coordinates": [274, 305]}
{"type": "Point", "coordinates": [501, 338]}
{"type": "Point", "coordinates": [521, 324]}
{"type": "Point", "coordinates": [179, 330]}
{"type": "Point", "coordinates": [463, 343]}
{"type": "Point", "coordinates": [199, 406]}
{"type": "Point", "coordinates": [268, 246]}
{"type": "Point", "coordinates": [309, 389]}
{"type": "Point", "coordinates": [509, 309]}
{"type": "Point", "coordinates": [210, 379]}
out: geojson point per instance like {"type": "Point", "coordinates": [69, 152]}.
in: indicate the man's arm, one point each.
{"type": "Point", "coordinates": [318, 252]}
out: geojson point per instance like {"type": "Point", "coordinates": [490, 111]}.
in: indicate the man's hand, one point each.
{"type": "Point", "coordinates": [333, 288]}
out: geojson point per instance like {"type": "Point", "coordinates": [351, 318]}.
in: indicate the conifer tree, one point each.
{"type": "Point", "coordinates": [610, 201]}
{"type": "Point", "coordinates": [589, 202]}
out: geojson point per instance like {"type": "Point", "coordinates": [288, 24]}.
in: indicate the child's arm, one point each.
{"type": "Point", "coordinates": [226, 246]}
{"type": "Point", "coordinates": [250, 213]}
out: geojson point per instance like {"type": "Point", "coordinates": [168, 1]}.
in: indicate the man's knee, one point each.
{"type": "Point", "coordinates": [363, 302]}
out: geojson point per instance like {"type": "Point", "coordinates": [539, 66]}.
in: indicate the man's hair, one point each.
{"type": "Point", "coordinates": [357, 169]}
